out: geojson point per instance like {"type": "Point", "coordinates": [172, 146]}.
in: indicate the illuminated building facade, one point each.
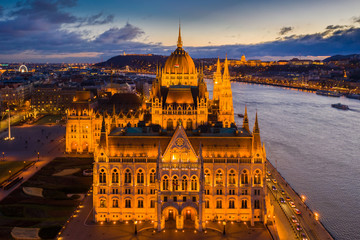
{"type": "Point", "coordinates": [188, 163]}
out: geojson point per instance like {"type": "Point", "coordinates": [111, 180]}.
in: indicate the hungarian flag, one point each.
{"type": "Point", "coordinates": [176, 65]}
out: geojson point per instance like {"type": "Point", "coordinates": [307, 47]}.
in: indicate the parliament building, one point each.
{"type": "Point", "coordinates": [178, 156]}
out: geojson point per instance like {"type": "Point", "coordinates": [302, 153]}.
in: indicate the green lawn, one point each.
{"type": "Point", "coordinates": [13, 166]}
{"type": "Point", "coordinates": [51, 211]}
{"type": "Point", "coordinates": [49, 119]}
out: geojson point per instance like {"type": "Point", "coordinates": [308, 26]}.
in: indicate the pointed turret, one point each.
{"type": "Point", "coordinates": [103, 142]}
{"type": "Point", "coordinates": [179, 42]}
{"type": "Point", "coordinates": [256, 125]}
{"type": "Point", "coordinates": [226, 68]}
{"type": "Point", "coordinates": [217, 81]}
{"type": "Point", "coordinates": [218, 67]}
{"type": "Point", "coordinates": [246, 121]}
{"type": "Point", "coordinates": [256, 137]}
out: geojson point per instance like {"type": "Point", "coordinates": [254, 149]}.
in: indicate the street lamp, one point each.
{"type": "Point", "coordinates": [3, 156]}
{"type": "Point", "coordinates": [224, 224]}
{"type": "Point", "coordinates": [303, 198]}
{"type": "Point", "coordinates": [316, 216]}
{"type": "Point", "coordinates": [38, 156]}
{"type": "Point", "coordinates": [135, 227]}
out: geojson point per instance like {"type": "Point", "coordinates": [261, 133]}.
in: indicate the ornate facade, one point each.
{"type": "Point", "coordinates": [196, 165]}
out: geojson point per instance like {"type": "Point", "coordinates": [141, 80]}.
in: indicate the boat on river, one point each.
{"type": "Point", "coordinates": [240, 115]}
{"type": "Point", "coordinates": [340, 106]}
{"type": "Point", "coordinates": [328, 93]}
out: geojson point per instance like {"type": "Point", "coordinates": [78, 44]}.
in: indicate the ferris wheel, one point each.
{"type": "Point", "coordinates": [23, 68]}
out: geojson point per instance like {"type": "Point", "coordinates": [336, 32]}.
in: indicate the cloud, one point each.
{"type": "Point", "coordinates": [285, 30]}
{"type": "Point", "coordinates": [45, 30]}
{"type": "Point", "coordinates": [118, 35]}
{"type": "Point", "coordinates": [96, 19]}
{"type": "Point", "coordinates": [334, 27]}
{"type": "Point", "coordinates": [340, 41]}
{"type": "Point", "coordinates": [356, 19]}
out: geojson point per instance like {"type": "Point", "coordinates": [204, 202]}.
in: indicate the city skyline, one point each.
{"type": "Point", "coordinates": [88, 31]}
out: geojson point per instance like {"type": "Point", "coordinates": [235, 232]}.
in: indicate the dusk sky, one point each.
{"type": "Point", "coordinates": [92, 30]}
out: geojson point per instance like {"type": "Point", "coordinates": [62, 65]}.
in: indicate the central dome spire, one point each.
{"type": "Point", "coordinates": [179, 42]}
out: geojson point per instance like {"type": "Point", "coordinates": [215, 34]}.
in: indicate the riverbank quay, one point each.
{"type": "Point", "coordinates": [308, 220]}
{"type": "Point", "coordinates": [304, 88]}
{"type": "Point", "coordinates": [347, 92]}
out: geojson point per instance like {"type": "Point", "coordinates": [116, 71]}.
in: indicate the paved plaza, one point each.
{"type": "Point", "coordinates": [81, 226]}
{"type": "Point", "coordinates": [32, 143]}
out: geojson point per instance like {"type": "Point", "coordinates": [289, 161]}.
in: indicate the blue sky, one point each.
{"type": "Point", "coordinates": [89, 30]}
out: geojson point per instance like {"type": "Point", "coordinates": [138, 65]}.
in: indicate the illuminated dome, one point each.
{"type": "Point", "coordinates": [179, 61]}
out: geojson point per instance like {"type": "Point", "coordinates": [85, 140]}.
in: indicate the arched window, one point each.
{"type": "Point", "coordinates": [244, 177]}
{"type": "Point", "coordinates": [102, 176]}
{"type": "Point", "coordinates": [170, 124]}
{"type": "Point", "coordinates": [193, 183]}
{"type": "Point", "coordinates": [140, 176]}
{"type": "Point", "coordinates": [218, 204]}
{"type": "Point", "coordinates": [244, 203]}
{"type": "Point", "coordinates": [184, 183]}
{"type": "Point", "coordinates": [152, 176]}
{"type": "Point", "coordinates": [257, 177]}
{"type": "Point", "coordinates": [102, 203]}
{"type": "Point", "coordinates": [175, 183]}
{"type": "Point", "coordinates": [165, 183]}
{"type": "Point", "coordinates": [232, 177]}
{"type": "Point", "coordinates": [231, 204]}
{"type": "Point", "coordinates": [115, 203]}
{"type": "Point", "coordinates": [127, 176]}
{"type": "Point", "coordinates": [219, 177]}
{"type": "Point", "coordinates": [207, 177]}
{"type": "Point", "coordinates": [115, 176]}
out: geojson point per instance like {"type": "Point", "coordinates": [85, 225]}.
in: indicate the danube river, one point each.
{"type": "Point", "coordinates": [316, 148]}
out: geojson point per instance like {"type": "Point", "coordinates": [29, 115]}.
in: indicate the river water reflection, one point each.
{"type": "Point", "coordinates": [315, 147]}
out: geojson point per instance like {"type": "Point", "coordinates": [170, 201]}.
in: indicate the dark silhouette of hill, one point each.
{"type": "Point", "coordinates": [351, 57]}
{"type": "Point", "coordinates": [146, 61]}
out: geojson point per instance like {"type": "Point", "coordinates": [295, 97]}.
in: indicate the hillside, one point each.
{"type": "Point", "coordinates": [149, 62]}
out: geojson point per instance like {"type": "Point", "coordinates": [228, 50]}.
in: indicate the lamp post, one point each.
{"type": "Point", "coordinates": [135, 227]}
{"type": "Point", "coordinates": [303, 198]}
{"type": "Point", "coordinates": [3, 156]}
{"type": "Point", "coordinates": [224, 224]}
{"type": "Point", "coordinates": [316, 216]}
{"type": "Point", "coordinates": [38, 156]}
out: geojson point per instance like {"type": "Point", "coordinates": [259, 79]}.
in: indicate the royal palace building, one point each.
{"type": "Point", "coordinates": [180, 156]}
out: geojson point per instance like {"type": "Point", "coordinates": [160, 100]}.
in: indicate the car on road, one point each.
{"type": "Point", "coordinates": [268, 179]}
{"type": "Point", "coordinates": [273, 188]}
{"type": "Point", "coordinates": [274, 180]}
{"type": "Point", "coordinates": [298, 227]}
{"type": "Point", "coordinates": [282, 192]}
{"type": "Point", "coordinates": [268, 173]}
{"type": "Point", "coordinates": [282, 200]}
{"type": "Point", "coordinates": [303, 236]}
{"type": "Point", "coordinates": [297, 211]}
{"type": "Point", "coordinates": [293, 219]}
{"type": "Point", "coordinates": [292, 204]}
{"type": "Point", "coordinates": [288, 198]}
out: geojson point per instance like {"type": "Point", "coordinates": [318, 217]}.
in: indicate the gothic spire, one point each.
{"type": "Point", "coordinates": [179, 42]}
{"type": "Point", "coordinates": [246, 120]}
{"type": "Point", "coordinates": [103, 133]}
{"type": "Point", "coordinates": [226, 67]}
{"type": "Point", "coordinates": [256, 125]}
{"type": "Point", "coordinates": [218, 67]}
